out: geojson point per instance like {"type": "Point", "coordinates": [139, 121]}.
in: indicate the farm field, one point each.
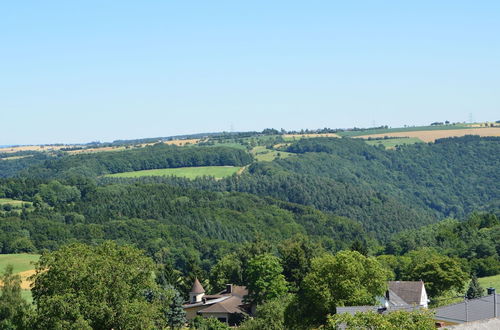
{"type": "Point", "coordinates": [403, 129]}
{"type": "Point", "coordinates": [391, 143]}
{"type": "Point", "coordinates": [262, 154]}
{"type": "Point", "coordinates": [186, 172]}
{"type": "Point", "coordinates": [432, 135]}
{"type": "Point", "coordinates": [23, 265]}
{"type": "Point", "coordinates": [490, 281]}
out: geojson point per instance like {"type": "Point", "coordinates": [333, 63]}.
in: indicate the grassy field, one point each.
{"type": "Point", "coordinates": [391, 143]}
{"type": "Point", "coordinates": [403, 129]}
{"type": "Point", "coordinates": [186, 172]}
{"type": "Point", "coordinates": [24, 266]}
{"type": "Point", "coordinates": [21, 262]}
{"type": "Point", "coordinates": [13, 202]}
{"type": "Point", "coordinates": [266, 155]}
{"type": "Point", "coordinates": [490, 281]}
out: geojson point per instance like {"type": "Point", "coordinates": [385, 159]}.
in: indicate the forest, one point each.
{"type": "Point", "coordinates": [334, 200]}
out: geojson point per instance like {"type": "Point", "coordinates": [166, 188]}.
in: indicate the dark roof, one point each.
{"type": "Point", "coordinates": [197, 288]}
{"type": "Point", "coordinates": [477, 309]}
{"type": "Point", "coordinates": [408, 291]}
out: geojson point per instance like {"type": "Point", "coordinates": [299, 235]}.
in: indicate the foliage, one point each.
{"type": "Point", "coordinates": [346, 279]}
{"type": "Point", "coordinates": [420, 320]}
{"type": "Point", "coordinates": [14, 310]}
{"type": "Point", "coordinates": [269, 316]}
{"type": "Point", "coordinates": [439, 273]}
{"type": "Point", "coordinates": [201, 323]}
{"type": "Point", "coordinates": [264, 279]}
{"type": "Point", "coordinates": [475, 290]}
{"type": "Point", "coordinates": [102, 287]}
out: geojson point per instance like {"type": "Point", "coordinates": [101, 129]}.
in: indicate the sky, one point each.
{"type": "Point", "coordinates": [81, 71]}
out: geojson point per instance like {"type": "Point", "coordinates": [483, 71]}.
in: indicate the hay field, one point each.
{"type": "Point", "coordinates": [431, 136]}
{"type": "Point", "coordinates": [187, 172]}
{"type": "Point", "coordinates": [182, 142]}
{"type": "Point", "coordinates": [23, 265]}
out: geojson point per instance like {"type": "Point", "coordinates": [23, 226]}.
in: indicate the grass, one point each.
{"type": "Point", "coordinates": [21, 261]}
{"type": "Point", "coordinates": [26, 295]}
{"type": "Point", "coordinates": [391, 143]}
{"type": "Point", "coordinates": [490, 281]}
{"type": "Point", "coordinates": [403, 129]}
{"type": "Point", "coordinates": [186, 172]}
{"type": "Point", "coordinates": [262, 154]}
{"type": "Point", "coordinates": [12, 202]}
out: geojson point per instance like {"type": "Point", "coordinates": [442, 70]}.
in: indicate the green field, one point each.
{"type": "Point", "coordinates": [20, 261]}
{"type": "Point", "coordinates": [490, 281]}
{"type": "Point", "coordinates": [262, 154]}
{"type": "Point", "coordinates": [391, 143]}
{"type": "Point", "coordinates": [403, 129]}
{"type": "Point", "coordinates": [12, 202]}
{"type": "Point", "coordinates": [186, 172]}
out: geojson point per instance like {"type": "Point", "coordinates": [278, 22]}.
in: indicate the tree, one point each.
{"type": "Point", "coordinates": [439, 273]}
{"type": "Point", "coordinates": [175, 314]}
{"type": "Point", "coordinates": [227, 270]}
{"type": "Point", "coordinates": [14, 310]}
{"type": "Point", "coordinates": [475, 290]}
{"type": "Point", "coordinates": [99, 287]}
{"type": "Point", "coordinates": [346, 279]}
{"type": "Point", "coordinates": [264, 279]}
{"type": "Point", "coordinates": [269, 316]}
{"type": "Point", "coordinates": [296, 255]}
{"type": "Point", "coordinates": [201, 323]}
{"type": "Point", "coordinates": [419, 320]}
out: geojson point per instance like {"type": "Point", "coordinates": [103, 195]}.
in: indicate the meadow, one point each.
{"type": "Point", "coordinates": [12, 202]}
{"type": "Point", "coordinates": [23, 265]}
{"type": "Point", "coordinates": [186, 172]}
{"type": "Point", "coordinates": [262, 154]}
{"type": "Point", "coordinates": [490, 282]}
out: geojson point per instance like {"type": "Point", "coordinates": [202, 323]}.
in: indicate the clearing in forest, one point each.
{"type": "Point", "coordinates": [186, 172]}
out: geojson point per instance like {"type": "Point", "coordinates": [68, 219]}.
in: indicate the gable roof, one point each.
{"type": "Point", "coordinates": [229, 305]}
{"type": "Point", "coordinates": [409, 292]}
{"type": "Point", "coordinates": [472, 310]}
{"type": "Point", "coordinates": [197, 288]}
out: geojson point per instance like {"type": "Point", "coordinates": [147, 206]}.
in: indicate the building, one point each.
{"type": "Point", "coordinates": [470, 310]}
{"type": "Point", "coordinates": [400, 295]}
{"type": "Point", "coordinates": [226, 306]}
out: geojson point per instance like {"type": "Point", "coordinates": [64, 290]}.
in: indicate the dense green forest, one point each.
{"type": "Point", "coordinates": [412, 211]}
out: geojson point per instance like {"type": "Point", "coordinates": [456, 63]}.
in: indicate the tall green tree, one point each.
{"type": "Point", "coordinates": [265, 280]}
{"type": "Point", "coordinates": [345, 279]}
{"type": "Point", "coordinates": [439, 273]}
{"type": "Point", "coordinates": [98, 287]}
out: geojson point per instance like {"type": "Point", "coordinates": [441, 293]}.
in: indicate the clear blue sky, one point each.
{"type": "Point", "coordinates": [79, 71]}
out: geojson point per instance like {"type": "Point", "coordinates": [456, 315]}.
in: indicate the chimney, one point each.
{"type": "Point", "coordinates": [229, 288]}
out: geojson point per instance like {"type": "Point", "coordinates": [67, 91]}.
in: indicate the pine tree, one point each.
{"type": "Point", "coordinates": [175, 314]}
{"type": "Point", "coordinates": [475, 290]}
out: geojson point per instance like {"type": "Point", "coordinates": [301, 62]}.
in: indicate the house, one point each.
{"type": "Point", "coordinates": [403, 293]}
{"type": "Point", "coordinates": [470, 310]}
{"type": "Point", "coordinates": [227, 306]}
{"type": "Point", "coordinates": [400, 295]}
